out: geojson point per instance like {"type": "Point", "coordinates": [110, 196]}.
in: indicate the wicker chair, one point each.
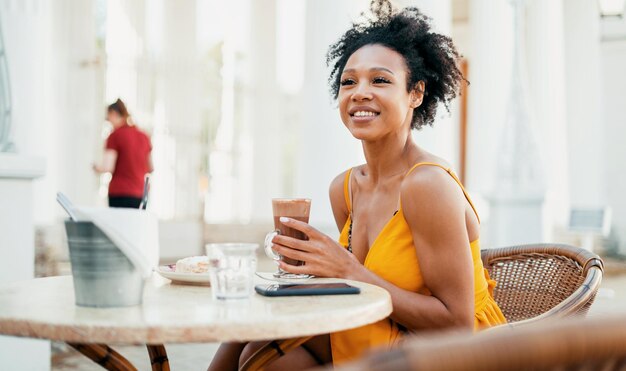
{"type": "Point", "coordinates": [535, 282]}
{"type": "Point", "coordinates": [570, 344]}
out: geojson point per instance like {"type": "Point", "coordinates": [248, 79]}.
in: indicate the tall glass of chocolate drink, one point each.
{"type": "Point", "coordinates": [294, 208]}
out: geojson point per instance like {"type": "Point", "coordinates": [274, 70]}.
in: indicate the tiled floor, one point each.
{"type": "Point", "coordinates": [182, 357]}
{"type": "Point", "coordinates": [611, 299]}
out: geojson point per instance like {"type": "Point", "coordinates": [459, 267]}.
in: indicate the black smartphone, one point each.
{"type": "Point", "coordinates": [338, 288]}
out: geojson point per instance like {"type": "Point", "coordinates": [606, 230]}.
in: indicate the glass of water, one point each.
{"type": "Point", "coordinates": [231, 269]}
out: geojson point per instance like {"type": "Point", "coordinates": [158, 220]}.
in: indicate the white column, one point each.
{"type": "Point", "coordinates": [171, 98]}
{"type": "Point", "coordinates": [55, 84]}
{"type": "Point", "coordinates": [17, 241]}
{"type": "Point", "coordinates": [178, 89]}
{"type": "Point", "coordinates": [265, 118]}
{"type": "Point", "coordinates": [583, 81]}
{"type": "Point", "coordinates": [24, 26]}
{"type": "Point", "coordinates": [127, 37]}
{"type": "Point", "coordinates": [17, 250]}
{"type": "Point", "coordinates": [489, 63]}
{"type": "Point", "coordinates": [235, 151]}
{"type": "Point", "coordinates": [57, 95]}
{"type": "Point", "coordinates": [546, 65]}
{"type": "Point", "coordinates": [519, 187]}
{"type": "Point", "coordinates": [489, 55]}
{"type": "Point", "coordinates": [614, 80]}
{"type": "Point", "coordinates": [74, 96]}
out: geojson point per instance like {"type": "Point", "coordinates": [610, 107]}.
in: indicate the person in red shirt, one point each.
{"type": "Point", "coordinates": [127, 157]}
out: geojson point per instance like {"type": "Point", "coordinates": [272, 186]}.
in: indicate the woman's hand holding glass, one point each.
{"type": "Point", "coordinates": [323, 256]}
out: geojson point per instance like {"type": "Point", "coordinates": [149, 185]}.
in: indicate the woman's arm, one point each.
{"type": "Point", "coordinates": [150, 163]}
{"type": "Point", "coordinates": [108, 162]}
{"type": "Point", "coordinates": [434, 208]}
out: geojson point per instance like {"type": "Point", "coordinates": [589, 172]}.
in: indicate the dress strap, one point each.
{"type": "Point", "coordinates": [347, 189]}
{"type": "Point", "coordinates": [453, 175]}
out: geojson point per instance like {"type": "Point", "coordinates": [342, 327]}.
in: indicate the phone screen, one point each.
{"type": "Point", "coordinates": [333, 288]}
{"type": "Point", "coordinates": [322, 286]}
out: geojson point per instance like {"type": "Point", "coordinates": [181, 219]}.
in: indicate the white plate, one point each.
{"type": "Point", "coordinates": [169, 272]}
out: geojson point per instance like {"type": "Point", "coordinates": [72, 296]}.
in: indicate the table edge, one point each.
{"type": "Point", "coordinates": [183, 334]}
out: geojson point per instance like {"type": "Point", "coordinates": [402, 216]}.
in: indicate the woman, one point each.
{"type": "Point", "coordinates": [406, 222]}
{"type": "Point", "coordinates": [126, 157]}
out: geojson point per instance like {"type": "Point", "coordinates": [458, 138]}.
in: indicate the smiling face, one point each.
{"type": "Point", "coordinates": [373, 97]}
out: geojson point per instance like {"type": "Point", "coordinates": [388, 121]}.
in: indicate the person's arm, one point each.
{"type": "Point", "coordinates": [108, 162]}
{"type": "Point", "coordinates": [150, 163]}
{"type": "Point", "coordinates": [149, 159]}
{"type": "Point", "coordinates": [434, 208]}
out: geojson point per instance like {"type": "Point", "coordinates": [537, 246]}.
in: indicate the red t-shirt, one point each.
{"type": "Point", "coordinates": [133, 148]}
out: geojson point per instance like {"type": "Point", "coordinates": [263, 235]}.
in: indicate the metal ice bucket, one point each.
{"type": "Point", "coordinates": [103, 276]}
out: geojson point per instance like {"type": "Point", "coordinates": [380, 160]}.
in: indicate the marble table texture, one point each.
{"type": "Point", "coordinates": [171, 313]}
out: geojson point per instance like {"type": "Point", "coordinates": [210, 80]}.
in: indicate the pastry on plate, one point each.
{"type": "Point", "coordinates": [193, 264]}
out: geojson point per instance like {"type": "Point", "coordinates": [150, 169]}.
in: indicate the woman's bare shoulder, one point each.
{"type": "Point", "coordinates": [430, 186]}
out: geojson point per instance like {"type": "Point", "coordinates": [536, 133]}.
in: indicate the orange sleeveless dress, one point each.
{"type": "Point", "coordinates": [392, 256]}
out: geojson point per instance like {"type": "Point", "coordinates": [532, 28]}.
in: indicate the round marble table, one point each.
{"type": "Point", "coordinates": [44, 308]}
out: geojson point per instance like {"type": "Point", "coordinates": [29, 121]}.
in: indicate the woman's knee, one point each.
{"type": "Point", "coordinates": [249, 350]}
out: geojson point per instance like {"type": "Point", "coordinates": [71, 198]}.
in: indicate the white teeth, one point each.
{"type": "Point", "coordinates": [364, 113]}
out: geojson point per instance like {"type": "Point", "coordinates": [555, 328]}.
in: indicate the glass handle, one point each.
{"type": "Point", "coordinates": [268, 245]}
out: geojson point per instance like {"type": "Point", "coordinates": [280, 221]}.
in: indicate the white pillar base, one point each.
{"type": "Point", "coordinates": [17, 252]}
{"type": "Point", "coordinates": [24, 354]}
{"type": "Point", "coordinates": [515, 220]}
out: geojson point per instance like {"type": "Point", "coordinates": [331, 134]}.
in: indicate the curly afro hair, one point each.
{"type": "Point", "coordinates": [429, 56]}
